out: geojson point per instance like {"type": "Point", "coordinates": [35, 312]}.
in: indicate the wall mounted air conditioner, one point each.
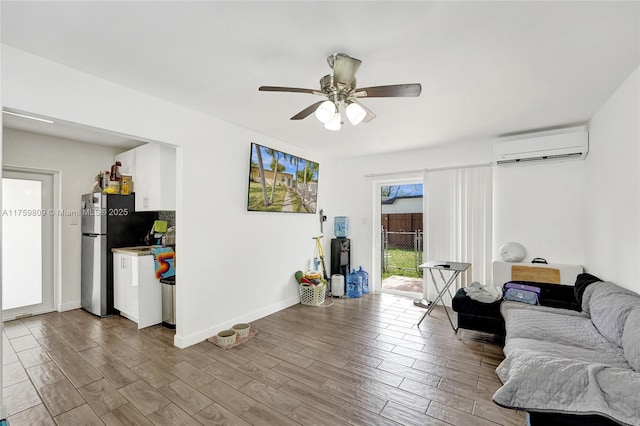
{"type": "Point", "coordinates": [540, 148]}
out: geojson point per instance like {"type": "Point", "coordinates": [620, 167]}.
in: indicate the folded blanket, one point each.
{"type": "Point", "coordinates": [538, 382]}
{"type": "Point", "coordinates": [483, 293]}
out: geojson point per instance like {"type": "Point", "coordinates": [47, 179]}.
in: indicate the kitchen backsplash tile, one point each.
{"type": "Point", "coordinates": [169, 216]}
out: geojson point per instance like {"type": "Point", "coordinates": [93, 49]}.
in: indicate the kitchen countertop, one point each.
{"type": "Point", "coordinates": [135, 251]}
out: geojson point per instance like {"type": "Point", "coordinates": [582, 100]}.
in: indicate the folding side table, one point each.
{"type": "Point", "coordinates": [440, 266]}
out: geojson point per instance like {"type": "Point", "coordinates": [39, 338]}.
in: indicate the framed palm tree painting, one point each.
{"type": "Point", "coordinates": [281, 182]}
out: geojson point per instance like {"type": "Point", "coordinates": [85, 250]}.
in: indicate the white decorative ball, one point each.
{"type": "Point", "coordinates": [512, 252]}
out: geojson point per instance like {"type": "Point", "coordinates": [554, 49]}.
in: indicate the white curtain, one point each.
{"type": "Point", "coordinates": [457, 206]}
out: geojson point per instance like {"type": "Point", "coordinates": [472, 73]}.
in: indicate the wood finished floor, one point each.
{"type": "Point", "coordinates": [359, 362]}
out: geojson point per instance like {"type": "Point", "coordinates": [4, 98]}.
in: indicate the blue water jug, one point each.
{"type": "Point", "coordinates": [354, 284]}
{"type": "Point", "coordinates": [365, 280]}
{"type": "Point", "coordinates": [341, 226]}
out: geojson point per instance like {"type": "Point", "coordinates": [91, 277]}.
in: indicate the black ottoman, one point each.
{"type": "Point", "coordinates": [474, 315]}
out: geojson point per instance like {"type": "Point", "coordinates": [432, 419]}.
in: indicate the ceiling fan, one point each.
{"type": "Point", "coordinates": [341, 91]}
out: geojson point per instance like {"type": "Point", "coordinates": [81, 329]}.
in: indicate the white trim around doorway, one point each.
{"type": "Point", "coordinates": [57, 240]}
{"type": "Point", "coordinates": [376, 275]}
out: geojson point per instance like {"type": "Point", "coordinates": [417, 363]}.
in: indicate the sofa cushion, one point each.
{"type": "Point", "coordinates": [560, 326]}
{"type": "Point", "coordinates": [582, 282]}
{"type": "Point", "coordinates": [609, 306]}
{"type": "Point", "coordinates": [631, 339]}
{"type": "Point", "coordinates": [600, 354]}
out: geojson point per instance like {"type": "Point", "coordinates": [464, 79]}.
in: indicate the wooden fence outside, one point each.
{"type": "Point", "coordinates": [401, 222]}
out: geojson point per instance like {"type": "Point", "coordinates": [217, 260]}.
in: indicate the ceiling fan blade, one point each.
{"type": "Point", "coordinates": [370, 115]}
{"type": "Point", "coordinates": [288, 89]}
{"type": "Point", "coordinates": [393, 91]}
{"type": "Point", "coordinates": [344, 68]}
{"type": "Point", "coordinates": [307, 111]}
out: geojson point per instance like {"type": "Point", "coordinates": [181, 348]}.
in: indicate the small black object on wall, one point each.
{"type": "Point", "coordinates": [323, 219]}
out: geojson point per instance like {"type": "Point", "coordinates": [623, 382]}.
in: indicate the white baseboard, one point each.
{"type": "Point", "coordinates": [69, 306]}
{"type": "Point", "coordinates": [185, 341]}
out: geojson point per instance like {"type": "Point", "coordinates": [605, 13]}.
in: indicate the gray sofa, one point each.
{"type": "Point", "coordinates": [574, 365]}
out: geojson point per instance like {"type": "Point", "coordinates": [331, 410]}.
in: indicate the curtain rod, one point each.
{"type": "Point", "coordinates": [437, 169]}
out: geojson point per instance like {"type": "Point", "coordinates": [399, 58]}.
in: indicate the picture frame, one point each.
{"type": "Point", "coordinates": [281, 182]}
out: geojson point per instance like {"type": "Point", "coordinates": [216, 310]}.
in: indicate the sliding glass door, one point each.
{"type": "Point", "coordinates": [401, 236]}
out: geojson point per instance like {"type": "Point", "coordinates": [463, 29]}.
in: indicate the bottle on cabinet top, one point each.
{"type": "Point", "coordinates": [341, 226]}
{"type": "Point", "coordinates": [115, 171]}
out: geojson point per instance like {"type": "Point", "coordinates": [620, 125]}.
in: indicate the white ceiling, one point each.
{"type": "Point", "coordinates": [486, 68]}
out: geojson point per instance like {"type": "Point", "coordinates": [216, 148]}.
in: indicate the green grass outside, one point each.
{"type": "Point", "coordinates": [399, 258]}
{"type": "Point", "coordinates": [256, 200]}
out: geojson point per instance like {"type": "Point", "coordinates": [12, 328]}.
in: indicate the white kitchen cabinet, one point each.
{"type": "Point", "coordinates": [121, 280]}
{"type": "Point", "coordinates": [127, 160]}
{"type": "Point", "coordinates": [137, 294]}
{"type": "Point", "coordinates": [155, 177]}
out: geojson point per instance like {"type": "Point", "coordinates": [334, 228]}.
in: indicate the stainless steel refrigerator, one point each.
{"type": "Point", "coordinates": [108, 221]}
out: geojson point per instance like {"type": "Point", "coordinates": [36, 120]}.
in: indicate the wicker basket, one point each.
{"type": "Point", "coordinates": [312, 296]}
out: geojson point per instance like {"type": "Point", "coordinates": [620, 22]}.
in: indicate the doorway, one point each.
{"type": "Point", "coordinates": [27, 243]}
{"type": "Point", "coordinates": [401, 237]}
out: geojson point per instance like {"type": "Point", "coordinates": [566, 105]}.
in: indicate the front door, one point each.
{"type": "Point", "coordinates": [27, 243]}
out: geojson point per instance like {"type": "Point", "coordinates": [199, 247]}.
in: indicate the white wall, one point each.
{"type": "Point", "coordinates": [612, 201]}
{"type": "Point", "coordinates": [569, 212]}
{"type": "Point", "coordinates": [540, 205]}
{"type": "Point", "coordinates": [77, 164]}
{"type": "Point", "coordinates": [361, 201]}
{"type": "Point", "coordinates": [233, 265]}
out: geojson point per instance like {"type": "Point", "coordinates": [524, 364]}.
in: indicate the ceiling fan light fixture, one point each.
{"type": "Point", "coordinates": [335, 123]}
{"type": "Point", "coordinates": [343, 93]}
{"type": "Point", "coordinates": [355, 113]}
{"type": "Point", "coordinates": [326, 111]}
